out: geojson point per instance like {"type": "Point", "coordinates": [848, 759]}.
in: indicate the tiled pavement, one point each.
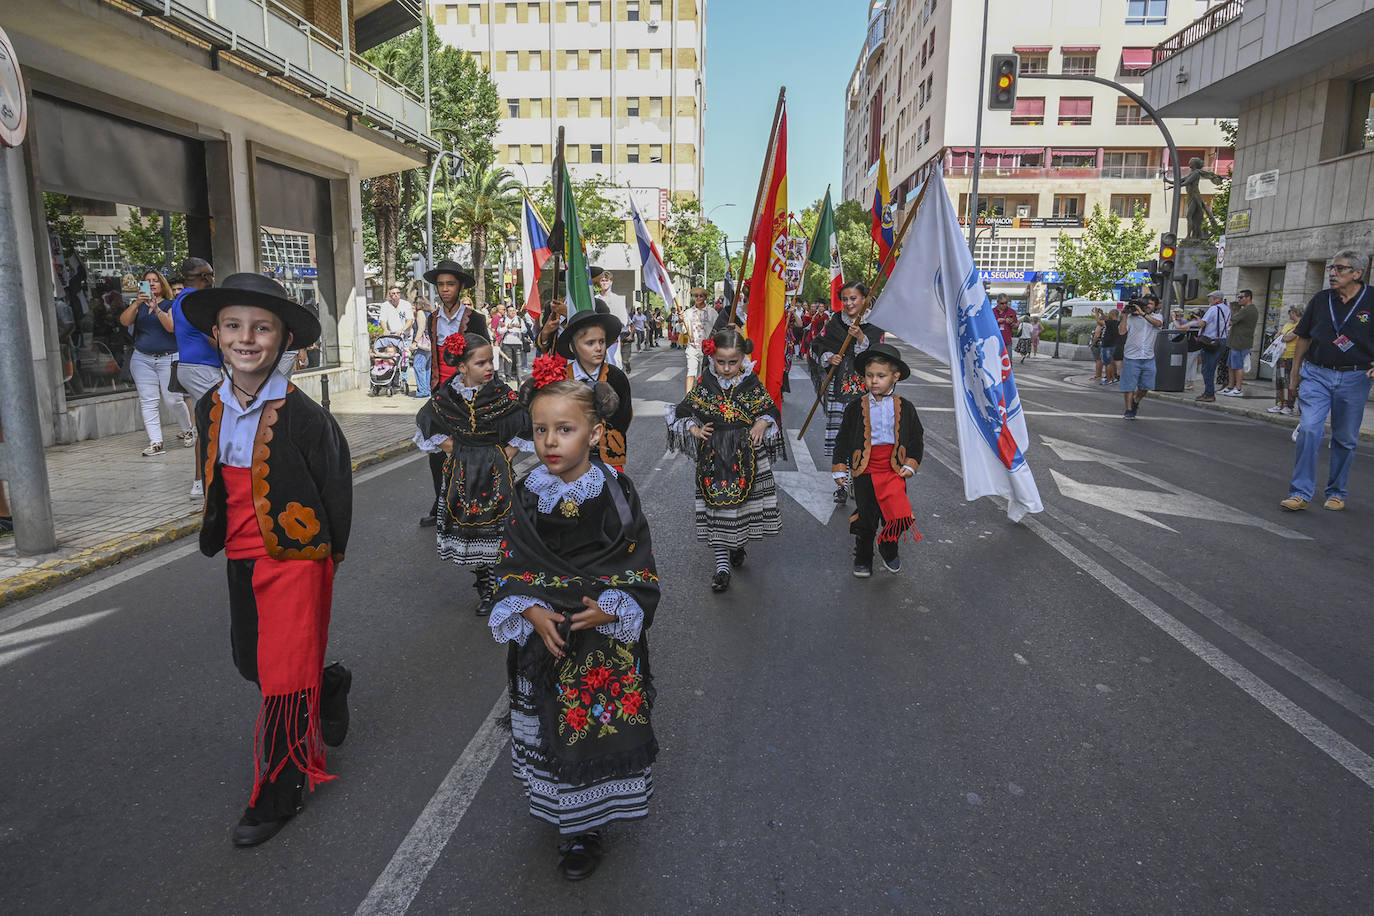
{"type": "Point", "coordinates": [110, 503]}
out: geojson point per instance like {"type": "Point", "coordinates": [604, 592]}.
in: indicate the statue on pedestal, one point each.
{"type": "Point", "coordinates": [1196, 208]}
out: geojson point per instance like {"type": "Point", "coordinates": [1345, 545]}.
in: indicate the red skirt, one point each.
{"type": "Point", "coordinates": [293, 601]}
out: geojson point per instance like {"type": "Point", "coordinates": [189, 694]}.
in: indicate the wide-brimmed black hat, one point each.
{"type": "Point", "coordinates": [580, 321]}
{"type": "Point", "coordinates": [593, 272]}
{"type": "Point", "coordinates": [202, 306]}
{"type": "Point", "coordinates": [450, 267]}
{"type": "Point", "coordinates": [884, 351]}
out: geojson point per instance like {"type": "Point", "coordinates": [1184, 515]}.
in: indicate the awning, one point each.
{"type": "Point", "coordinates": [1079, 49]}
{"type": "Point", "coordinates": [1016, 150]}
{"type": "Point", "coordinates": [1136, 59]}
{"type": "Point", "coordinates": [1029, 108]}
{"type": "Point", "coordinates": [1031, 49]}
{"type": "Point", "coordinates": [1081, 107]}
{"type": "Point", "coordinates": [1073, 152]}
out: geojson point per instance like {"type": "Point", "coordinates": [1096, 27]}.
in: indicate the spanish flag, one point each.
{"type": "Point", "coordinates": [765, 324]}
{"type": "Point", "coordinates": [882, 230]}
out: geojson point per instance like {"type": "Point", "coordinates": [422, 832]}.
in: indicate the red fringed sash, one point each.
{"type": "Point", "coordinates": [890, 488]}
{"type": "Point", "coordinates": [293, 599]}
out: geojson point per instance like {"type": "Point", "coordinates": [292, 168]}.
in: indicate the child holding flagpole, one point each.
{"type": "Point", "coordinates": [846, 384]}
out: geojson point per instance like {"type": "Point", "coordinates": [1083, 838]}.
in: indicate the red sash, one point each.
{"type": "Point", "coordinates": [890, 488]}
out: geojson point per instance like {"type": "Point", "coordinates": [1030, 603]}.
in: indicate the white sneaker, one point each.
{"type": "Point", "coordinates": [1286, 411]}
{"type": "Point", "coordinates": [153, 450]}
{"type": "Point", "coordinates": [188, 438]}
{"type": "Point", "coordinates": [1275, 409]}
{"type": "Point", "coordinates": [197, 490]}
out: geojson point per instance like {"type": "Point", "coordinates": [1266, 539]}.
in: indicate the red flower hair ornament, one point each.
{"type": "Point", "coordinates": [454, 346]}
{"type": "Point", "coordinates": [708, 346]}
{"type": "Point", "coordinates": [548, 369]}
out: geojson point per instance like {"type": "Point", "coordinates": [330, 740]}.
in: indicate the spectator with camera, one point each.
{"type": "Point", "coordinates": [1139, 327]}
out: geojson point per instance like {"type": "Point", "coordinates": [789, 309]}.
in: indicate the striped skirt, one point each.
{"type": "Point", "coordinates": [467, 546]}
{"type": "Point", "coordinates": [752, 520]}
{"type": "Point", "coordinates": [834, 414]}
{"type": "Point", "coordinates": [572, 809]}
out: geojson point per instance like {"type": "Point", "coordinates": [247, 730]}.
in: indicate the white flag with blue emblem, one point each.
{"type": "Point", "coordinates": [935, 301]}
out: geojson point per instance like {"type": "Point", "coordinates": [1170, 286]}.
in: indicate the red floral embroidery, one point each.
{"type": "Point", "coordinates": [598, 677]}
{"type": "Point", "coordinates": [630, 702]}
{"type": "Point", "coordinates": [576, 717]}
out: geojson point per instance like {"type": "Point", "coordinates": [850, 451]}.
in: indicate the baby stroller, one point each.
{"type": "Point", "coordinates": [390, 360]}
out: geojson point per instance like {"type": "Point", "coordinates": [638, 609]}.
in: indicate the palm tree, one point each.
{"type": "Point", "coordinates": [484, 205]}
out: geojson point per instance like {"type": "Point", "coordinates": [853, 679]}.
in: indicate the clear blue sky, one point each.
{"type": "Point", "coordinates": [752, 48]}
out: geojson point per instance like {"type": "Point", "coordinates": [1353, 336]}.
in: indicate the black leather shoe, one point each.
{"type": "Point", "coordinates": [737, 557]}
{"type": "Point", "coordinates": [484, 605]}
{"type": "Point", "coordinates": [579, 856]}
{"type": "Point", "coordinates": [336, 682]}
{"type": "Point", "coordinates": [720, 582]}
{"type": "Point", "coordinates": [893, 565]}
{"type": "Point", "coordinates": [250, 831]}
{"type": "Point", "coordinates": [841, 496]}
{"type": "Point", "coordinates": [428, 521]}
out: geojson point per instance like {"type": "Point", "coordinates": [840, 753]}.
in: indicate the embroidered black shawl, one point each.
{"type": "Point", "coordinates": [493, 417]}
{"type": "Point", "coordinates": [846, 384]}
{"type": "Point", "coordinates": [727, 461]}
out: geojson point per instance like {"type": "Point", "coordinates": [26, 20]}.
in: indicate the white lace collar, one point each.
{"type": "Point", "coordinates": [727, 384]}
{"type": "Point", "coordinates": [552, 489]}
{"type": "Point", "coordinates": [468, 392]}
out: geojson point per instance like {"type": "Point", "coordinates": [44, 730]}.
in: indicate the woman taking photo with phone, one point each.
{"type": "Point", "coordinates": [149, 320]}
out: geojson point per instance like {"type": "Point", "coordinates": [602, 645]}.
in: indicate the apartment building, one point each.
{"type": "Point", "coordinates": [242, 127]}
{"type": "Point", "coordinates": [624, 78]}
{"type": "Point", "coordinates": [1299, 79]}
{"type": "Point", "coordinates": [1066, 147]}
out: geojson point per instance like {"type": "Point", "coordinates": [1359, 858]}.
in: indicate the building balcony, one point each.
{"type": "Point", "coordinates": [1089, 173]}
{"type": "Point", "coordinates": [877, 37]}
{"type": "Point", "coordinates": [269, 37]}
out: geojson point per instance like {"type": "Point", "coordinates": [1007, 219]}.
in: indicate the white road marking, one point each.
{"type": "Point", "coordinates": [395, 889]}
{"type": "Point", "coordinates": [666, 375]}
{"type": "Point", "coordinates": [16, 645]}
{"type": "Point", "coordinates": [1300, 720]}
{"type": "Point", "coordinates": [813, 491]}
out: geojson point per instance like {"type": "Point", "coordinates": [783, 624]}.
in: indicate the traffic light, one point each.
{"type": "Point", "coordinates": [1002, 95]}
{"type": "Point", "coordinates": [1168, 250]}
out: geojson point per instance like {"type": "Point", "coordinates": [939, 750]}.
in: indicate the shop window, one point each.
{"type": "Point", "coordinates": [1361, 132]}
{"type": "Point", "coordinates": [296, 245]}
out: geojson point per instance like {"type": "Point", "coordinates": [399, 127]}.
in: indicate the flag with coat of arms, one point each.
{"type": "Point", "coordinates": [935, 301]}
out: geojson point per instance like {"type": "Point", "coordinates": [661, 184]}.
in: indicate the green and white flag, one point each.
{"type": "Point", "coordinates": [578, 280]}
{"type": "Point", "coordinates": [825, 250]}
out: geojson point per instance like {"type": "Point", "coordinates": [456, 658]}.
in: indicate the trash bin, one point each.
{"type": "Point", "coordinates": [1171, 359]}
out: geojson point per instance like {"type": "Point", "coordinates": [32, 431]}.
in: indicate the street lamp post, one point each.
{"type": "Point", "coordinates": [457, 172]}
{"type": "Point", "coordinates": [706, 251]}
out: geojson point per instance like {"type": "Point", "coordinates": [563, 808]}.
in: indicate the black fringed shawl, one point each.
{"type": "Point", "coordinates": [493, 417]}
{"type": "Point", "coordinates": [727, 461]}
{"type": "Point", "coordinates": [846, 384]}
{"type": "Point", "coordinates": [558, 559]}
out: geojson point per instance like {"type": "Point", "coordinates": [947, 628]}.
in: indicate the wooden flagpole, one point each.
{"type": "Point", "coordinates": [872, 296]}
{"type": "Point", "coordinates": [764, 180]}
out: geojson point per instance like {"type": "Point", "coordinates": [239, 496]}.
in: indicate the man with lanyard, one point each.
{"type": "Point", "coordinates": [1333, 369]}
{"type": "Point", "coordinates": [452, 317]}
{"type": "Point", "coordinates": [617, 352]}
{"type": "Point", "coordinates": [1215, 323]}
{"type": "Point", "coordinates": [197, 369]}
{"type": "Point", "coordinates": [699, 319]}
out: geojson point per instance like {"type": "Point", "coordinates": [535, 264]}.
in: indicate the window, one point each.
{"type": "Point", "coordinates": [511, 12]}
{"type": "Point", "coordinates": [1360, 135]}
{"type": "Point", "coordinates": [1029, 112]}
{"type": "Point", "coordinates": [1128, 112]}
{"type": "Point", "coordinates": [656, 59]}
{"type": "Point", "coordinates": [631, 59]}
{"type": "Point", "coordinates": [656, 153]}
{"type": "Point", "coordinates": [534, 12]}
{"type": "Point", "coordinates": [1127, 205]}
{"type": "Point", "coordinates": [1004, 253]}
{"type": "Point", "coordinates": [1073, 159]}
{"type": "Point", "coordinates": [536, 60]}
{"type": "Point", "coordinates": [513, 153]}
{"type": "Point", "coordinates": [594, 11]}
{"type": "Point", "coordinates": [536, 154]}
{"type": "Point", "coordinates": [632, 107]}
{"type": "Point", "coordinates": [656, 106]}
{"type": "Point", "coordinates": [1035, 63]}
{"type": "Point", "coordinates": [536, 108]}
{"type": "Point", "coordinates": [571, 13]}
{"type": "Point", "coordinates": [570, 61]}
{"type": "Point", "coordinates": [474, 13]}
{"type": "Point", "coordinates": [594, 60]}
{"type": "Point", "coordinates": [631, 10]}
{"type": "Point", "coordinates": [1080, 63]}
{"type": "Point", "coordinates": [1147, 12]}
{"type": "Point", "coordinates": [1068, 205]}
{"type": "Point", "coordinates": [594, 108]}
{"type": "Point", "coordinates": [513, 108]}
{"type": "Point", "coordinates": [1076, 110]}
{"type": "Point", "coordinates": [655, 11]}
{"type": "Point", "coordinates": [1125, 164]}
{"type": "Point", "coordinates": [512, 60]}
{"type": "Point", "coordinates": [632, 153]}
{"type": "Point", "coordinates": [595, 153]}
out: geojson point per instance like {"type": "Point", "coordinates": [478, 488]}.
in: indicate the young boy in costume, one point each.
{"type": "Point", "coordinates": [584, 341]}
{"type": "Point", "coordinates": [846, 385]}
{"type": "Point", "coordinates": [278, 502]}
{"type": "Point", "coordinates": [576, 593]}
{"type": "Point", "coordinates": [879, 446]}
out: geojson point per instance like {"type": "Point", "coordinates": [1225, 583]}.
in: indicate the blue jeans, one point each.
{"type": "Point", "coordinates": [1209, 370]}
{"type": "Point", "coordinates": [419, 359]}
{"type": "Point", "coordinates": [1343, 396]}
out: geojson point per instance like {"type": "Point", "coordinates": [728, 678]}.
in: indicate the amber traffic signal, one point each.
{"type": "Point", "coordinates": [1168, 250]}
{"type": "Point", "coordinates": [1002, 95]}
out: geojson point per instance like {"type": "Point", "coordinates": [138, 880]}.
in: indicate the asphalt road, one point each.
{"type": "Point", "coordinates": [1153, 697]}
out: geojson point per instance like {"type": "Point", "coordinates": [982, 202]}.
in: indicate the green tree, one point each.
{"type": "Point", "coordinates": [1108, 251]}
{"type": "Point", "coordinates": [857, 259]}
{"type": "Point", "coordinates": [482, 207]}
{"type": "Point", "coordinates": [600, 215]}
{"type": "Point", "coordinates": [687, 239]}
{"type": "Point", "coordinates": [69, 228]}
{"type": "Point", "coordinates": [142, 242]}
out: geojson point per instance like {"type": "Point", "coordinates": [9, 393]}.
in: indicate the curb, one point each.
{"type": "Point", "coordinates": [113, 552]}
{"type": "Point", "coordinates": [1253, 413]}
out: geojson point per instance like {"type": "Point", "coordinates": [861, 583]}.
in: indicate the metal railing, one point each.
{"type": "Point", "coordinates": [1215, 18]}
{"type": "Point", "coordinates": [1136, 172]}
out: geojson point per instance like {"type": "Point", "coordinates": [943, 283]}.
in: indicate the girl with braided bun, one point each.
{"type": "Point", "coordinates": [576, 590]}
{"type": "Point", "coordinates": [731, 425]}
{"type": "Point", "coordinates": [478, 423]}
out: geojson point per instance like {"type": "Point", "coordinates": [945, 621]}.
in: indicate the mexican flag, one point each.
{"type": "Point", "coordinates": [825, 250]}
{"type": "Point", "coordinates": [574, 252]}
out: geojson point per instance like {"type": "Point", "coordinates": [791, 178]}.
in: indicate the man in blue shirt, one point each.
{"type": "Point", "coordinates": [1333, 369]}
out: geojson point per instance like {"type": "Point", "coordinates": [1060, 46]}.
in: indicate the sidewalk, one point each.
{"type": "Point", "coordinates": [110, 503]}
{"type": "Point", "coordinates": [1258, 399]}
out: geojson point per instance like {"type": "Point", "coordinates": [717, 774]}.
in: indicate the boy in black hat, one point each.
{"type": "Point", "coordinates": [279, 502]}
{"type": "Point", "coordinates": [583, 342]}
{"type": "Point", "coordinates": [879, 446]}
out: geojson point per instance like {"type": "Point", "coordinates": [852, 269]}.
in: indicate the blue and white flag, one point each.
{"type": "Point", "coordinates": [655, 272]}
{"type": "Point", "coordinates": [935, 301]}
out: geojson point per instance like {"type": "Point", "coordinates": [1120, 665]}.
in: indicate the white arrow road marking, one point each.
{"type": "Point", "coordinates": [18, 643]}
{"type": "Point", "coordinates": [813, 491]}
{"type": "Point", "coordinates": [1134, 504]}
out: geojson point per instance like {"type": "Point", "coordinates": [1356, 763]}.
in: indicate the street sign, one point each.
{"type": "Point", "coordinates": [14, 111]}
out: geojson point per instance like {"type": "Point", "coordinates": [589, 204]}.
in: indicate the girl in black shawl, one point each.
{"type": "Point", "coordinates": [846, 385]}
{"type": "Point", "coordinates": [478, 422]}
{"type": "Point", "coordinates": [576, 592]}
{"type": "Point", "coordinates": [730, 424]}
